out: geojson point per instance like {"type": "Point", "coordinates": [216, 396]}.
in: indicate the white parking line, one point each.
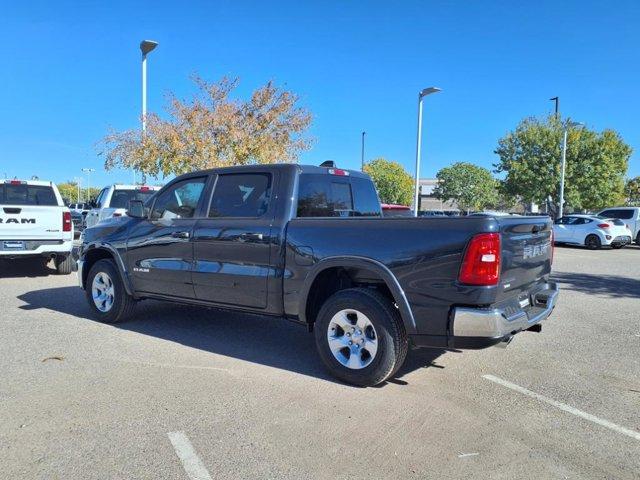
{"type": "Point", "coordinates": [565, 408]}
{"type": "Point", "coordinates": [188, 456]}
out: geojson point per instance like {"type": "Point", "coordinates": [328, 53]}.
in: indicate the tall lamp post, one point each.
{"type": "Point", "coordinates": [146, 46]}
{"type": "Point", "coordinates": [362, 153]}
{"type": "Point", "coordinates": [78, 180]}
{"type": "Point", "coordinates": [88, 172]}
{"type": "Point", "coordinates": [557, 100]}
{"type": "Point", "coordinates": [423, 93]}
{"type": "Point", "coordinates": [567, 125]}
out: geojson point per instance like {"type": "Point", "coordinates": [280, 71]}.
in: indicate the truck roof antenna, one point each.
{"type": "Point", "coordinates": [328, 164]}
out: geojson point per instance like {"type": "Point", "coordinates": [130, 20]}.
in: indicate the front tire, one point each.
{"type": "Point", "coordinates": [106, 294]}
{"type": "Point", "coordinates": [592, 242]}
{"type": "Point", "coordinates": [360, 337]}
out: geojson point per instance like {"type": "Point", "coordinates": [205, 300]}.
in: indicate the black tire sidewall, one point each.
{"type": "Point", "coordinates": [386, 357]}
{"type": "Point", "coordinates": [596, 245]}
{"type": "Point", "coordinates": [108, 267]}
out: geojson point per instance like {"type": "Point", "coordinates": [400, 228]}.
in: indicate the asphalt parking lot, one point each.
{"type": "Point", "coordinates": [190, 393]}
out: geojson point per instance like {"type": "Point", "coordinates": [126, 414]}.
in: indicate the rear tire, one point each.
{"type": "Point", "coordinates": [64, 266]}
{"type": "Point", "coordinates": [376, 327]}
{"type": "Point", "coordinates": [592, 242]}
{"type": "Point", "coordinates": [106, 294]}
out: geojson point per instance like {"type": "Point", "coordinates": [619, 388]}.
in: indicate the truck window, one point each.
{"type": "Point", "coordinates": [622, 214]}
{"type": "Point", "coordinates": [330, 196]}
{"type": "Point", "coordinates": [241, 195]}
{"type": "Point", "coordinates": [179, 201]}
{"type": "Point", "coordinates": [121, 198]}
{"type": "Point", "coordinates": [23, 194]}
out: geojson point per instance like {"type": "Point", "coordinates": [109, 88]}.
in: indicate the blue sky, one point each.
{"type": "Point", "coordinates": [71, 70]}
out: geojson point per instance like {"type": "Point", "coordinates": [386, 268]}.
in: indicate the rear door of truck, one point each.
{"type": "Point", "coordinates": [527, 254]}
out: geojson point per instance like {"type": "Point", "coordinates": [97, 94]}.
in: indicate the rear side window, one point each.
{"type": "Point", "coordinates": [241, 195]}
{"type": "Point", "coordinates": [23, 194]}
{"type": "Point", "coordinates": [622, 214]}
{"type": "Point", "coordinates": [331, 196]}
{"type": "Point", "coordinates": [180, 200]}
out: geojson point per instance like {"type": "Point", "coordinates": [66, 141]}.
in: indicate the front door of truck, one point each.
{"type": "Point", "coordinates": [160, 247]}
{"type": "Point", "coordinates": [232, 244]}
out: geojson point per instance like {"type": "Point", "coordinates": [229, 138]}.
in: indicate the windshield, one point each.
{"type": "Point", "coordinates": [23, 194]}
{"type": "Point", "coordinates": [121, 198]}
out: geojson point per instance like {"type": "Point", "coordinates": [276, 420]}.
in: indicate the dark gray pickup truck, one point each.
{"type": "Point", "coordinates": [309, 244]}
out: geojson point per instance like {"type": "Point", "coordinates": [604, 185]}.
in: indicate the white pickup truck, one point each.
{"type": "Point", "coordinates": [35, 224]}
{"type": "Point", "coordinates": [113, 201]}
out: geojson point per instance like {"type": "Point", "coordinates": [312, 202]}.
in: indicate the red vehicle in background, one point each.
{"type": "Point", "coordinates": [391, 210]}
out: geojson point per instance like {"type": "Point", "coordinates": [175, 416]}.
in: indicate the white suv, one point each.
{"type": "Point", "coordinates": [629, 215]}
{"type": "Point", "coordinates": [113, 201]}
{"type": "Point", "coordinates": [34, 223]}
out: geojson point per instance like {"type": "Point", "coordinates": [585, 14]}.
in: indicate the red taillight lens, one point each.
{"type": "Point", "coordinates": [66, 221]}
{"type": "Point", "coordinates": [338, 171]}
{"type": "Point", "coordinates": [604, 225]}
{"type": "Point", "coordinates": [144, 189]}
{"type": "Point", "coordinates": [481, 263]}
{"type": "Point", "coordinates": [117, 214]}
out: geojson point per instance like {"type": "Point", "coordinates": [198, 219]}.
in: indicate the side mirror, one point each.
{"type": "Point", "coordinates": [136, 209]}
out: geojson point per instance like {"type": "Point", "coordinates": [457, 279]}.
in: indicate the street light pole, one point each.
{"type": "Point", "coordinates": [564, 164]}
{"type": "Point", "coordinates": [423, 93]}
{"type": "Point", "coordinates": [88, 172]}
{"type": "Point", "coordinates": [557, 100]}
{"type": "Point", "coordinates": [362, 152]}
{"type": "Point", "coordinates": [146, 46]}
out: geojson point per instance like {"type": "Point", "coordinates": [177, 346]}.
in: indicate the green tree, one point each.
{"type": "Point", "coordinates": [530, 156]}
{"type": "Point", "coordinates": [214, 130]}
{"type": "Point", "coordinates": [392, 181]}
{"type": "Point", "coordinates": [69, 191]}
{"type": "Point", "coordinates": [632, 191]}
{"type": "Point", "coordinates": [471, 186]}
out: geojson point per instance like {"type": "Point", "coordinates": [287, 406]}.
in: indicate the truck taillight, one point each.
{"type": "Point", "coordinates": [339, 171]}
{"type": "Point", "coordinates": [66, 221]}
{"type": "Point", "coordinates": [481, 263]}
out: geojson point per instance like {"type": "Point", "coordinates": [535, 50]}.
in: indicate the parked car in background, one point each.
{"type": "Point", "coordinates": [629, 215]}
{"type": "Point", "coordinates": [307, 243]}
{"type": "Point", "coordinates": [591, 231]}
{"type": "Point", "coordinates": [392, 210]}
{"type": "Point", "coordinates": [80, 207]}
{"type": "Point", "coordinates": [113, 201]}
{"type": "Point", "coordinates": [35, 224]}
{"type": "Point", "coordinates": [431, 213]}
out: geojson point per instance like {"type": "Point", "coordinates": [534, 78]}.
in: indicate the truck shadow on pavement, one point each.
{"type": "Point", "coordinates": [24, 268]}
{"type": "Point", "coordinates": [612, 286]}
{"type": "Point", "coordinates": [253, 338]}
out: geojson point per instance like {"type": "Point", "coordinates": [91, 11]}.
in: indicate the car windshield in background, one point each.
{"type": "Point", "coordinates": [121, 198]}
{"type": "Point", "coordinates": [23, 194]}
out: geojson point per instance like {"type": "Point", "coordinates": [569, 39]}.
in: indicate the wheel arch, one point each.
{"type": "Point", "coordinates": [95, 253]}
{"type": "Point", "coordinates": [339, 265]}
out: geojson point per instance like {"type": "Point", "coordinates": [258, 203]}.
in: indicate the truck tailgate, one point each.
{"type": "Point", "coordinates": [527, 253]}
{"type": "Point", "coordinates": [26, 222]}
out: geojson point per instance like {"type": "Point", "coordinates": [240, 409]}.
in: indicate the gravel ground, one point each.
{"type": "Point", "coordinates": [84, 400]}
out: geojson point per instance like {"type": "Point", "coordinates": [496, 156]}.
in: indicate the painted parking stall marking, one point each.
{"type": "Point", "coordinates": [565, 408]}
{"type": "Point", "coordinates": [186, 453]}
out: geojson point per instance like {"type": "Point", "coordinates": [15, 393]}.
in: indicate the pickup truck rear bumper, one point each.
{"type": "Point", "coordinates": [480, 328]}
{"type": "Point", "coordinates": [35, 248]}
{"type": "Point", "coordinates": [474, 328]}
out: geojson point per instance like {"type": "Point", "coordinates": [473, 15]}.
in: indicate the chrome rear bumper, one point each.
{"type": "Point", "coordinates": [478, 328]}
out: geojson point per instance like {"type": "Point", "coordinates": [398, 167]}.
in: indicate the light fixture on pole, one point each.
{"type": "Point", "coordinates": [423, 93]}
{"type": "Point", "coordinates": [563, 166]}
{"type": "Point", "coordinates": [146, 46]}
{"type": "Point", "coordinates": [557, 100]}
{"type": "Point", "coordinates": [88, 172]}
{"type": "Point", "coordinates": [362, 153]}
